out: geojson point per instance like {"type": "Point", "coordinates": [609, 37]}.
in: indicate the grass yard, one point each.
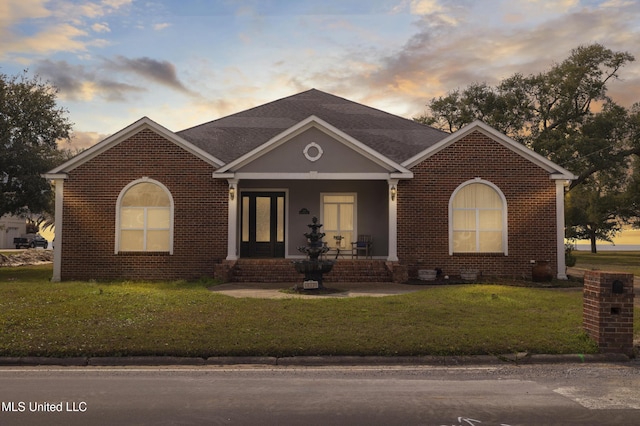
{"type": "Point", "coordinates": [40, 318]}
{"type": "Point", "coordinates": [623, 261]}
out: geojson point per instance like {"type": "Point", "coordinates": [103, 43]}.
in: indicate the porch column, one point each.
{"type": "Point", "coordinates": [57, 245]}
{"type": "Point", "coordinates": [393, 220]}
{"type": "Point", "coordinates": [232, 220]}
{"type": "Point", "coordinates": [562, 267]}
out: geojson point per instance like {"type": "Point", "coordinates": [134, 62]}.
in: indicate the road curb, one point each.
{"type": "Point", "coordinates": [311, 361]}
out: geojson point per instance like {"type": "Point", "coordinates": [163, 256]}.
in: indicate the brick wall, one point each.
{"type": "Point", "coordinates": [608, 314]}
{"type": "Point", "coordinates": [90, 196]}
{"type": "Point", "coordinates": [423, 202]}
{"type": "Point", "coordinates": [282, 270]}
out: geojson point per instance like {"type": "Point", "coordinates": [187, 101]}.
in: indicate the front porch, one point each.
{"type": "Point", "coordinates": [268, 219]}
{"type": "Point", "coordinates": [282, 270]}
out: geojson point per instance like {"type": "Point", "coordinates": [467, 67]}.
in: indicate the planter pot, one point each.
{"type": "Point", "coordinates": [427, 274]}
{"type": "Point", "coordinates": [541, 271]}
{"type": "Point", "coordinates": [469, 275]}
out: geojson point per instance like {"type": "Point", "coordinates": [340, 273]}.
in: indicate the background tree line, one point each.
{"type": "Point", "coordinates": [565, 114]}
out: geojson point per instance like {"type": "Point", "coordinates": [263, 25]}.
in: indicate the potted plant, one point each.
{"type": "Point", "coordinates": [427, 274]}
{"type": "Point", "coordinates": [469, 274]}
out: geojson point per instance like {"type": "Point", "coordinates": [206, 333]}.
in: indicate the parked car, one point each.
{"type": "Point", "coordinates": [20, 242]}
{"type": "Point", "coordinates": [37, 241]}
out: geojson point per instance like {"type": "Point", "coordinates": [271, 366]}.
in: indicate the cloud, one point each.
{"type": "Point", "coordinates": [161, 26]}
{"type": "Point", "coordinates": [117, 4]}
{"type": "Point", "coordinates": [101, 27]}
{"type": "Point", "coordinates": [433, 9]}
{"type": "Point", "coordinates": [52, 39]}
{"type": "Point", "coordinates": [76, 83]}
{"type": "Point", "coordinates": [161, 72]}
{"type": "Point", "coordinates": [12, 11]}
{"type": "Point", "coordinates": [82, 140]}
{"type": "Point", "coordinates": [425, 7]}
{"type": "Point", "coordinates": [441, 57]}
{"type": "Point", "coordinates": [77, 12]}
{"type": "Point", "coordinates": [60, 26]}
{"type": "Point", "coordinates": [108, 80]}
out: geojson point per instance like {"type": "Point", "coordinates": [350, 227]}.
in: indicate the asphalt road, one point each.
{"type": "Point", "coordinates": [557, 394]}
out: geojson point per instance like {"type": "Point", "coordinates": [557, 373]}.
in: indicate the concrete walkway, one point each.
{"type": "Point", "coordinates": [272, 290]}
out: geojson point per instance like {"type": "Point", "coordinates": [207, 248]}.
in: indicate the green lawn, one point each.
{"type": "Point", "coordinates": [40, 318]}
{"type": "Point", "coordinates": [624, 261]}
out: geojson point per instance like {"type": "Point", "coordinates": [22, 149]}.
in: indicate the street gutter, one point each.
{"type": "Point", "coordinates": [513, 359]}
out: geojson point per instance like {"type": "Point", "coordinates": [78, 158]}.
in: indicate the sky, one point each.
{"type": "Point", "coordinates": [186, 62]}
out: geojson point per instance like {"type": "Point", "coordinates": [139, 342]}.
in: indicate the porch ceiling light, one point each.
{"type": "Point", "coordinates": [394, 192]}
{"type": "Point", "coordinates": [232, 193]}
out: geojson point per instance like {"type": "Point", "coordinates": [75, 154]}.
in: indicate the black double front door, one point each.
{"type": "Point", "coordinates": [262, 224]}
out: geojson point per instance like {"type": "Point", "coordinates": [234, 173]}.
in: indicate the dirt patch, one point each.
{"type": "Point", "coordinates": [27, 257]}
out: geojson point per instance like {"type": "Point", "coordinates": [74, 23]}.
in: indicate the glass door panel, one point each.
{"type": "Point", "coordinates": [262, 225]}
{"type": "Point", "coordinates": [263, 219]}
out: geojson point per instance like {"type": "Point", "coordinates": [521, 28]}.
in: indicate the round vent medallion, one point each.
{"type": "Point", "coordinates": [313, 151]}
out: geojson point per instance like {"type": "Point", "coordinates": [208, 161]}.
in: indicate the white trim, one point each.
{"type": "Point", "coordinates": [118, 208]}
{"type": "Point", "coordinates": [232, 222]}
{"type": "Point", "coordinates": [314, 175]}
{"type": "Point", "coordinates": [555, 170]}
{"type": "Point", "coordinates": [55, 176]}
{"type": "Point", "coordinates": [310, 157]}
{"type": "Point", "coordinates": [562, 267]}
{"type": "Point", "coordinates": [505, 231]}
{"type": "Point", "coordinates": [57, 245]}
{"type": "Point", "coordinates": [124, 134]}
{"type": "Point", "coordinates": [304, 125]}
{"type": "Point", "coordinates": [392, 255]}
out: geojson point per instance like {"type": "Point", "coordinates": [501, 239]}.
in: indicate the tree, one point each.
{"type": "Point", "coordinates": [547, 111]}
{"type": "Point", "coordinates": [31, 124]}
{"type": "Point", "coordinates": [597, 209]}
{"type": "Point", "coordinates": [553, 113]}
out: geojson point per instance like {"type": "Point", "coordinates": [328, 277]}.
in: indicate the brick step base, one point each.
{"type": "Point", "coordinates": [282, 270]}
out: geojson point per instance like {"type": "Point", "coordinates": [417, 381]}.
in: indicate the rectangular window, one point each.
{"type": "Point", "coordinates": [339, 219]}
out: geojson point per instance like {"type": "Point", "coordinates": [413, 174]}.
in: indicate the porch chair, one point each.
{"type": "Point", "coordinates": [363, 244]}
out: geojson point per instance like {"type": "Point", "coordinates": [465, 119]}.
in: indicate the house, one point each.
{"type": "Point", "coordinates": [11, 227]}
{"type": "Point", "coordinates": [233, 197]}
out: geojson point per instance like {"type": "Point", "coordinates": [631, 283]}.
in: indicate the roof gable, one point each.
{"type": "Point", "coordinates": [378, 162]}
{"type": "Point", "coordinates": [124, 134]}
{"type": "Point", "coordinates": [556, 171]}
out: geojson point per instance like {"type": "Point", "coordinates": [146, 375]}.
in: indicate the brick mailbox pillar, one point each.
{"type": "Point", "coordinates": [608, 310]}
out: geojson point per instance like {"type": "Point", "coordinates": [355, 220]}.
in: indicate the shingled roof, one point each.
{"type": "Point", "coordinates": [230, 137]}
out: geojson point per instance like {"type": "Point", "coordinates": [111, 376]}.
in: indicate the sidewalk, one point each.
{"type": "Point", "coordinates": [272, 290]}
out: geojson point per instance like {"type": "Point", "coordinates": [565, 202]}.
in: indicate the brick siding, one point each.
{"type": "Point", "coordinates": [608, 316]}
{"type": "Point", "coordinates": [90, 197]}
{"type": "Point", "coordinates": [200, 216]}
{"type": "Point", "coordinates": [282, 270]}
{"type": "Point", "coordinates": [423, 203]}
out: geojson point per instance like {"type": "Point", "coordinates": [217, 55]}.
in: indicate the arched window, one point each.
{"type": "Point", "coordinates": [144, 218]}
{"type": "Point", "coordinates": [478, 219]}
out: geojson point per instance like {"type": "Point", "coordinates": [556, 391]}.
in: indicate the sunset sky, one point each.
{"type": "Point", "coordinates": [185, 62]}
